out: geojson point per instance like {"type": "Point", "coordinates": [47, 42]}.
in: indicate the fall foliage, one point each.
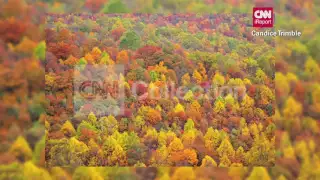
{"type": "Point", "coordinates": [24, 123]}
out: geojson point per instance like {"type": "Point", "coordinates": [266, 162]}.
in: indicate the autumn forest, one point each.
{"type": "Point", "coordinates": [220, 118]}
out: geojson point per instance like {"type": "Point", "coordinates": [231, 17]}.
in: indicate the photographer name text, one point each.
{"type": "Point", "coordinates": [277, 33]}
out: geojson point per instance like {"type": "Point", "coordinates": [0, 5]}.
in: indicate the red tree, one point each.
{"type": "Point", "coordinates": [12, 30]}
{"type": "Point", "coordinates": [151, 55]}
{"type": "Point", "coordinates": [94, 5]}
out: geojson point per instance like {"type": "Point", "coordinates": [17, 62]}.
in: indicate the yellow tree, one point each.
{"type": "Point", "coordinates": [237, 173]}
{"type": "Point", "coordinates": [68, 129]}
{"type": "Point", "coordinates": [219, 105]}
{"type": "Point", "coordinates": [108, 124]}
{"type": "Point", "coordinates": [254, 130]}
{"type": "Point", "coordinates": [161, 155]}
{"type": "Point", "coordinates": [231, 103]}
{"type": "Point", "coordinates": [202, 71]}
{"type": "Point", "coordinates": [282, 85]}
{"type": "Point", "coordinates": [262, 152]}
{"type": "Point", "coordinates": [218, 79]}
{"type": "Point", "coordinates": [267, 95]}
{"type": "Point", "coordinates": [259, 173]}
{"type": "Point", "coordinates": [89, 58]}
{"type": "Point", "coordinates": [59, 173]}
{"type": "Point", "coordinates": [197, 76]}
{"type": "Point", "coordinates": [31, 171]}
{"type": "Point", "coordinates": [188, 137]}
{"type": "Point", "coordinates": [240, 155]}
{"type": "Point", "coordinates": [226, 148]}
{"type": "Point", "coordinates": [207, 161]}
{"type": "Point", "coordinates": [105, 59]}
{"type": "Point", "coordinates": [224, 161]}
{"type": "Point", "coordinates": [21, 149]}
{"type": "Point", "coordinates": [109, 145]}
{"type": "Point", "coordinates": [178, 108]}
{"type": "Point", "coordinates": [79, 151]}
{"type": "Point", "coordinates": [88, 173]}
{"type": "Point", "coordinates": [315, 107]}
{"type": "Point", "coordinates": [161, 68]}
{"type": "Point", "coordinates": [138, 122]}
{"type": "Point", "coordinates": [312, 69]}
{"type": "Point", "coordinates": [151, 133]}
{"type": "Point", "coordinates": [96, 53]}
{"type": "Point", "coordinates": [261, 77]}
{"type": "Point", "coordinates": [175, 146]}
{"type": "Point", "coordinates": [185, 79]}
{"type": "Point", "coordinates": [92, 118]}
{"type": "Point", "coordinates": [212, 138]}
{"type": "Point", "coordinates": [189, 125]}
{"type": "Point", "coordinates": [188, 96]}
{"type": "Point", "coordinates": [195, 106]}
{"type": "Point", "coordinates": [162, 138]}
{"type": "Point", "coordinates": [123, 57]}
{"type": "Point", "coordinates": [118, 156]}
{"type": "Point", "coordinates": [185, 173]}
{"type": "Point", "coordinates": [247, 102]}
{"type": "Point", "coordinates": [292, 111]}
{"type": "Point", "coordinates": [235, 82]}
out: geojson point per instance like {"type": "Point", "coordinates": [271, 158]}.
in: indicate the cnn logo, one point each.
{"type": "Point", "coordinates": [262, 17]}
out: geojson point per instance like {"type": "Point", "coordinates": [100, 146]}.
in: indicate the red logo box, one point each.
{"type": "Point", "coordinates": [262, 17]}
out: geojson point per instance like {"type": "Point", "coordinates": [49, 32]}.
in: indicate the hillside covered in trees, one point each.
{"type": "Point", "coordinates": [22, 97]}
{"type": "Point", "coordinates": [222, 117]}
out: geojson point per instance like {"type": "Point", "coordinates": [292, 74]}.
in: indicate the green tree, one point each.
{"type": "Point", "coordinates": [115, 6]}
{"type": "Point", "coordinates": [40, 51]}
{"type": "Point", "coordinates": [130, 40]}
{"type": "Point", "coordinates": [38, 154]}
{"type": "Point", "coordinates": [314, 48]}
{"type": "Point", "coordinates": [11, 171]}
